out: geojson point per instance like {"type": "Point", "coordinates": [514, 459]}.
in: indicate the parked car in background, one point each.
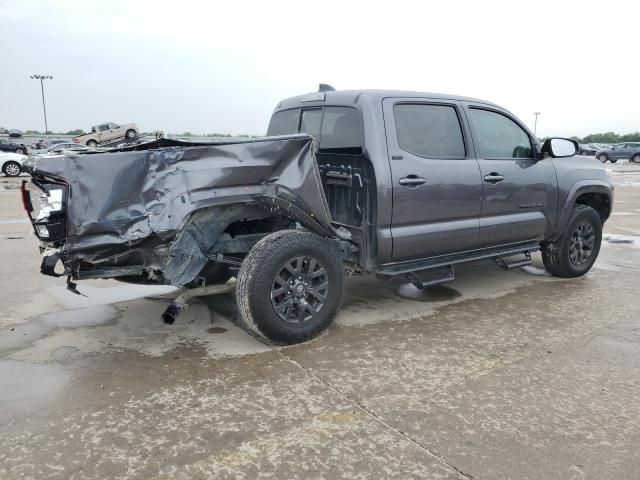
{"type": "Point", "coordinates": [48, 142]}
{"type": "Point", "coordinates": [11, 147]}
{"type": "Point", "coordinates": [621, 151]}
{"type": "Point", "coordinates": [11, 163]}
{"type": "Point", "coordinates": [65, 147]}
{"type": "Point", "coordinates": [107, 131]}
{"type": "Point", "coordinates": [15, 133]}
{"type": "Point", "coordinates": [587, 149]}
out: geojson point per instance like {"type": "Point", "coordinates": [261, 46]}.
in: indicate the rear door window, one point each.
{"type": "Point", "coordinates": [430, 131]}
{"type": "Point", "coordinates": [284, 122]}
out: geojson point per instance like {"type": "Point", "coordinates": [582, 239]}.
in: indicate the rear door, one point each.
{"type": "Point", "coordinates": [437, 190]}
{"type": "Point", "coordinates": [519, 191]}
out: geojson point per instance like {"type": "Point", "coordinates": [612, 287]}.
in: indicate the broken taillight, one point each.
{"type": "Point", "coordinates": [48, 214]}
{"type": "Point", "coordinates": [26, 197]}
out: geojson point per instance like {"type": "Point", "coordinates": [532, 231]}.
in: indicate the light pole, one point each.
{"type": "Point", "coordinates": [535, 125]}
{"type": "Point", "coordinates": [44, 108]}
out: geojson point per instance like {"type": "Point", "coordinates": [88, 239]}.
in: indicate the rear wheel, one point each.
{"type": "Point", "coordinates": [12, 169]}
{"type": "Point", "coordinates": [92, 144]}
{"type": "Point", "coordinates": [290, 286]}
{"type": "Point", "coordinates": [575, 252]}
{"type": "Point", "coordinates": [603, 157]}
{"type": "Point", "coordinates": [20, 151]}
{"type": "Point", "coordinates": [130, 134]}
{"type": "Point", "coordinates": [636, 158]}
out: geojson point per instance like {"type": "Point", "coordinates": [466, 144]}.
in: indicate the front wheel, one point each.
{"type": "Point", "coordinates": [289, 287]}
{"type": "Point", "coordinates": [20, 151]}
{"type": "Point", "coordinates": [11, 169]}
{"type": "Point", "coordinates": [130, 134]}
{"type": "Point", "coordinates": [575, 252]}
{"type": "Point", "coordinates": [636, 158]}
{"type": "Point", "coordinates": [603, 157]}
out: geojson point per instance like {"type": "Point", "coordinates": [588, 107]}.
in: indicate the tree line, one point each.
{"type": "Point", "coordinates": [609, 137]}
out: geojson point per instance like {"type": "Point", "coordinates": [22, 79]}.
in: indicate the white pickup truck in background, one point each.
{"type": "Point", "coordinates": [105, 132]}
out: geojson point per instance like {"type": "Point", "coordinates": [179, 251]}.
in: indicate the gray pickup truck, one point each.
{"type": "Point", "coordinates": [391, 183]}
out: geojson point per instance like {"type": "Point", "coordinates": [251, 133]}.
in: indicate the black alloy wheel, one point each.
{"type": "Point", "coordinates": [299, 289]}
{"type": "Point", "coordinates": [582, 244]}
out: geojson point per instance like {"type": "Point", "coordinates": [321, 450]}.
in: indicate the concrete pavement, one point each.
{"type": "Point", "coordinates": [497, 375]}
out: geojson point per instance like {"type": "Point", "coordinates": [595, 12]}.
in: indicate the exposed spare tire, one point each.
{"type": "Point", "coordinates": [290, 286]}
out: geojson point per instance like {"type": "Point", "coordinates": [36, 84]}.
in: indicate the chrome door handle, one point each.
{"type": "Point", "coordinates": [412, 181]}
{"type": "Point", "coordinates": [493, 178]}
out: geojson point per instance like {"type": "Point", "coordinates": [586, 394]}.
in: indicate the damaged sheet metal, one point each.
{"type": "Point", "coordinates": [157, 208]}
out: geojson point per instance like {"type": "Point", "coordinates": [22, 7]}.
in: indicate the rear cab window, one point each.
{"type": "Point", "coordinates": [284, 122]}
{"type": "Point", "coordinates": [334, 128]}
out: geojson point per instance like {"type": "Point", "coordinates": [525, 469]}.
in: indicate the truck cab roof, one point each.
{"type": "Point", "coordinates": [351, 97]}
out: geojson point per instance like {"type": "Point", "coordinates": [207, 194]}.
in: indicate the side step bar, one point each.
{"type": "Point", "coordinates": [507, 263]}
{"type": "Point", "coordinates": [434, 271]}
{"type": "Point", "coordinates": [429, 278]}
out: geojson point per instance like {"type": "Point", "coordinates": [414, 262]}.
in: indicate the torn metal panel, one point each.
{"type": "Point", "coordinates": [160, 207]}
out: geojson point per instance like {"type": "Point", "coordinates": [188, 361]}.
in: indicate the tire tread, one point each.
{"type": "Point", "coordinates": [264, 253]}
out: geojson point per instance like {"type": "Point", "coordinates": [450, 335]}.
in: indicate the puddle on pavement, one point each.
{"type": "Point", "coordinates": [20, 336]}
{"type": "Point", "coordinates": [438, 293]}
{"type": "Point", "coordinates": [134, 325]}
{"type": "Point", "coordinates": [24, 384]}
{"type": "Point", "coordinates": [216, 330]}
{"type": "Point", "coordinates": [614, 239]}
{"type": "Point", "coordinates": [106, 295]}
{"type": "Point", "coordinates": [532, 270]}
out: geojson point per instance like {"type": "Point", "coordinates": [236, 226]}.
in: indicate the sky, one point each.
{"type": "Point", "coordinates": [222, 67]}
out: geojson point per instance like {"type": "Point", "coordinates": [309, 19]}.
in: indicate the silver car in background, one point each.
{"type": "Point", "coordinates": [621, 151]}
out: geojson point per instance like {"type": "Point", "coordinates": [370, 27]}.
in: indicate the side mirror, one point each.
{"type": "Point", "coordinates": [560, 147]}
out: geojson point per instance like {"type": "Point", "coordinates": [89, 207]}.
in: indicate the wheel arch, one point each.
{"type": "Point", "coordinates": [600, 202]}
{"type": "Point", "coordinates": [199, 233]}
{"type": "Point", "coordinates": [593, 193]}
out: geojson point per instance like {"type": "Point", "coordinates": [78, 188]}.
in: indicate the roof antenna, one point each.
{"type": "Point", "coordinates": [325, 87]}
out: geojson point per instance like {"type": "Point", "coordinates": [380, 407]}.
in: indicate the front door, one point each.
{"type": "Point", "coordinates": [519, 191]}
{"type": "Point", "coordinates": [103, 132]}
{"type": "Point", "coordinates": [437, 189]}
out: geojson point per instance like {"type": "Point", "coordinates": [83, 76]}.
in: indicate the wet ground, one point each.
{"type": "Point", "coordinates": [496, 375]}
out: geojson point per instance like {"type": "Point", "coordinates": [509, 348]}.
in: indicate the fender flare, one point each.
{"type": "Point", "coordinates": [579, 188]}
